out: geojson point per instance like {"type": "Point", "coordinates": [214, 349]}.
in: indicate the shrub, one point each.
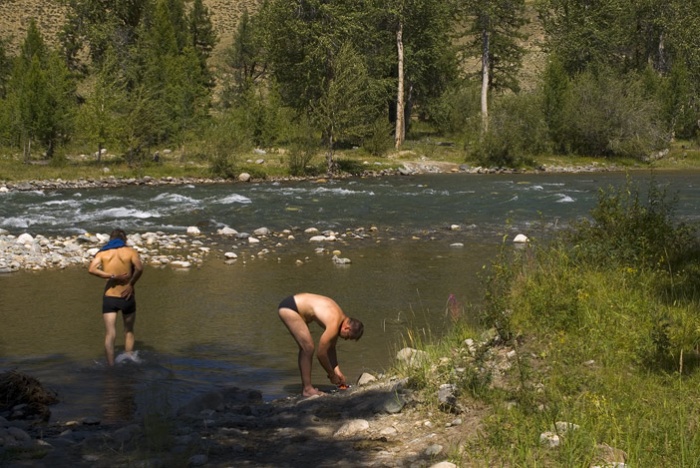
{"type": "Point", "coordinates": [517, 129]}
{"type": "Point", "coordinates": [625, 230]}
{"type": "Point", "coordinates": [379, 140]}
{"type": "Point", "coordinates": [457, 110]}
{"type": "Point", "coordinates": [224, 139]}
{"type": "Point", "coordinates": [303, 147]}
{"type": "Point", "coordinates": [609, 115]}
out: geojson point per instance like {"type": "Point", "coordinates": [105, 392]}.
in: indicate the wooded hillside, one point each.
{"type": "Point", "coordinates": [618, 79]}
{"type": "Point", "coordinates": [50, 15]}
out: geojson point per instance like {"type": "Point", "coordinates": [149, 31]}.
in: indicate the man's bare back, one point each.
{"type": "Point", "coordinates": [118, 266]}
{"type": "Point", "coordinates": [297, 312]}
{"type": "Point", "coordinates": [121, 266]}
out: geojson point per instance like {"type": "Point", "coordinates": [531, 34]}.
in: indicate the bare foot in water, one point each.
{"type": "Point", "coordinates": [311, 392]}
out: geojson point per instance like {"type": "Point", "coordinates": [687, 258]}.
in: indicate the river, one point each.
{"type": "Point", "coordinates": [423, 239]}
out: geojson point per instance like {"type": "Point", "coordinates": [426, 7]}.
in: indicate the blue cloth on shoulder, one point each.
{"type": "Point", "coordinates": [113, 244]}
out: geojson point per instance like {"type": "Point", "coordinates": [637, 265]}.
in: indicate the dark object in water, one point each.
{"type": "Point", "coordinates": [18, 389]}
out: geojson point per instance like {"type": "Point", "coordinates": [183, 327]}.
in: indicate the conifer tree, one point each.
{"type": "Point", "coordinates": [41, 96]}
{"type": "Point", "coordinates": [203, 37]}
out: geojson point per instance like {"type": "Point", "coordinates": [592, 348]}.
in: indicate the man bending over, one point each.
{"type": "Point", "coordinates": [297, 312]}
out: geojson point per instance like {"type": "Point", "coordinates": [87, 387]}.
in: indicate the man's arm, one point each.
{"type": "Point", "coordinates": [327, 357]}
{"type": "Point", "coordinates": [137, 271]}
{"type": "Point", "coordinates": [95, 268]}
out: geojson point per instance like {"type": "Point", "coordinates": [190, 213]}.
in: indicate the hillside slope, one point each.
{"type": "Point", "coordinates": [15, 16]}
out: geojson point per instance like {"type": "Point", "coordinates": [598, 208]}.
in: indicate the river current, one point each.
{"type": "Point", "coordinates": [217, 325]}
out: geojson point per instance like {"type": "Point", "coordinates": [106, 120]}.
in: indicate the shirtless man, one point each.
{"type": "Point", "coordinates": [301, 309]}
{"type": "Point", "coordinates": [121, 267]}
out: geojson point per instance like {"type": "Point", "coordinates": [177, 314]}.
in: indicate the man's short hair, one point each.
{"type": "Point", "coordinates": [118, 234]}
{"type": "Point", "coordinates": [357, 328]}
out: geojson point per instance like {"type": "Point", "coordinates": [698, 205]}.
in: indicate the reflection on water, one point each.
{"type": "Point", "coordinates": [118, 396]}
{"type": "Point", "coordinates": [217, 325]}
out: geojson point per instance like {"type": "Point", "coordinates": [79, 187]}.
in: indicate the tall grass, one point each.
{"type": "Point", "coordinates": [604, 322]}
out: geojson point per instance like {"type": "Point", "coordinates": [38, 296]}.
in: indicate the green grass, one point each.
{"type": "Point", "coordinates": [73, 164]}
{"type": "Point", "coordinates": [608, 346]}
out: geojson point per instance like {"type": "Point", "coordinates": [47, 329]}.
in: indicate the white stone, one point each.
{"type": "Point", "coordinates": [520, 239]}
{"type": "Point", "coordinates": [412, 357]}
{"type": "Point", "coordinates": [351, 428]}
{"type": "Point", "coordinates": [193, 231]}
{"type": "Point", "coordinates": [317, 239]}
{"type": "Point", "coordinates": [24, 239]}
{"type": "Point", "coordinates": [230, 255]}
{"type": "Point", "coordinates": [433, 450]}
{"type": "Point", "coordinates": [563, 427]}
{"type": "Point", "coordinates": [227, 231]}
{"type": "Point", "coordinates": [549, 439]}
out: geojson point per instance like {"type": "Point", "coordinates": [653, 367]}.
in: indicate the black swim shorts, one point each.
{"type": "Point", "coordinates": [115, 304]}
{"type": "Point", "coordinates": [289, 303]}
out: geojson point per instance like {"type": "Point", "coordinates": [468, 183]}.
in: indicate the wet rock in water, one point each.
{"type": "Point", "coordinates": [23, 397]}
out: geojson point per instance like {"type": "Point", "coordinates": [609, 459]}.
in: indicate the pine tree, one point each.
{"type": "Point", "coordinates": [203, 37]}
{"type": "Point", "coordinates": [41, 96]}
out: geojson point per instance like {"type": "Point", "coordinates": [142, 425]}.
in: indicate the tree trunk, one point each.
{"type": "Point", "coordinates": [27, 149]}
{"type": "Point", "coordinates": [329, 155]}
{"type": "Point", "coordinates": [400, 120]}
{"type": "Point", "coordinates": [485, 67]}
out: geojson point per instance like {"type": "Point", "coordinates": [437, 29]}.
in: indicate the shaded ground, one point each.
{"type": "Point", "coordinates": [382, 424]}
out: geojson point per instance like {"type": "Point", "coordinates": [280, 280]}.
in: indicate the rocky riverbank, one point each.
{"type": "Point", "coordinates": [377, 423]}
{"type": "Point", "coordinates": [406, 168]}
{"type": "Point", "coordinates": [187, 250]}
{"type": "Point", "coordinates": [179, 251]}
{"type": "Point", "coordinates": [381, 421]}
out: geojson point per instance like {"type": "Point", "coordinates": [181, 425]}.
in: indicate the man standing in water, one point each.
{"type": "Point", "coordinates": [301, 309]}
{"type": "Point", "coordinates": [121, 266]}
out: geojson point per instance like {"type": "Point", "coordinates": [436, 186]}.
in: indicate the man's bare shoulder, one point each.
{"type": "Point", "coordinates": [130, 252]}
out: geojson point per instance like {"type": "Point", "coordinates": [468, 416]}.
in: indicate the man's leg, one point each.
{"type": "Point", "coordinates": [110, 319]}
{"type": "Point", "coordinates": [300, 331]}
{"type": "Point", "coordinates": [129, 322]}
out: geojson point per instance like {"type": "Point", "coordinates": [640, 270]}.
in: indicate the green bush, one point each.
{"type": "Point", "coordinates": [626, 230]}
{"type": "Point", "coordinates": [224, 140]}
{"type": "Point", "coordinates": [517, 130]}
{"type": "Point", "coordinates": [379, 141]}
{"type": "Point", "coordinates": [303, 146]}
{"type": "Point", "coordinates": [611, 115]}
{"type": "Point", "coordinates": [457, 111]}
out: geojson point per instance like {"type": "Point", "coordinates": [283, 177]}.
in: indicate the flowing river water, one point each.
{"type": "Point", "coordinates": [217, 324]}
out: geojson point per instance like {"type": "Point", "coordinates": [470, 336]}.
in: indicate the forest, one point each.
{"type": "Point", "coordinates": [618, 78]}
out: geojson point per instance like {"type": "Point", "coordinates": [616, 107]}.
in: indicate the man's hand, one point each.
{"type": "Point", "coordinates": [337, 378]}
{"type": "Point", "coordinates": [128, 291]}
{"type": "Point", "coordinates": [120, 279]}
